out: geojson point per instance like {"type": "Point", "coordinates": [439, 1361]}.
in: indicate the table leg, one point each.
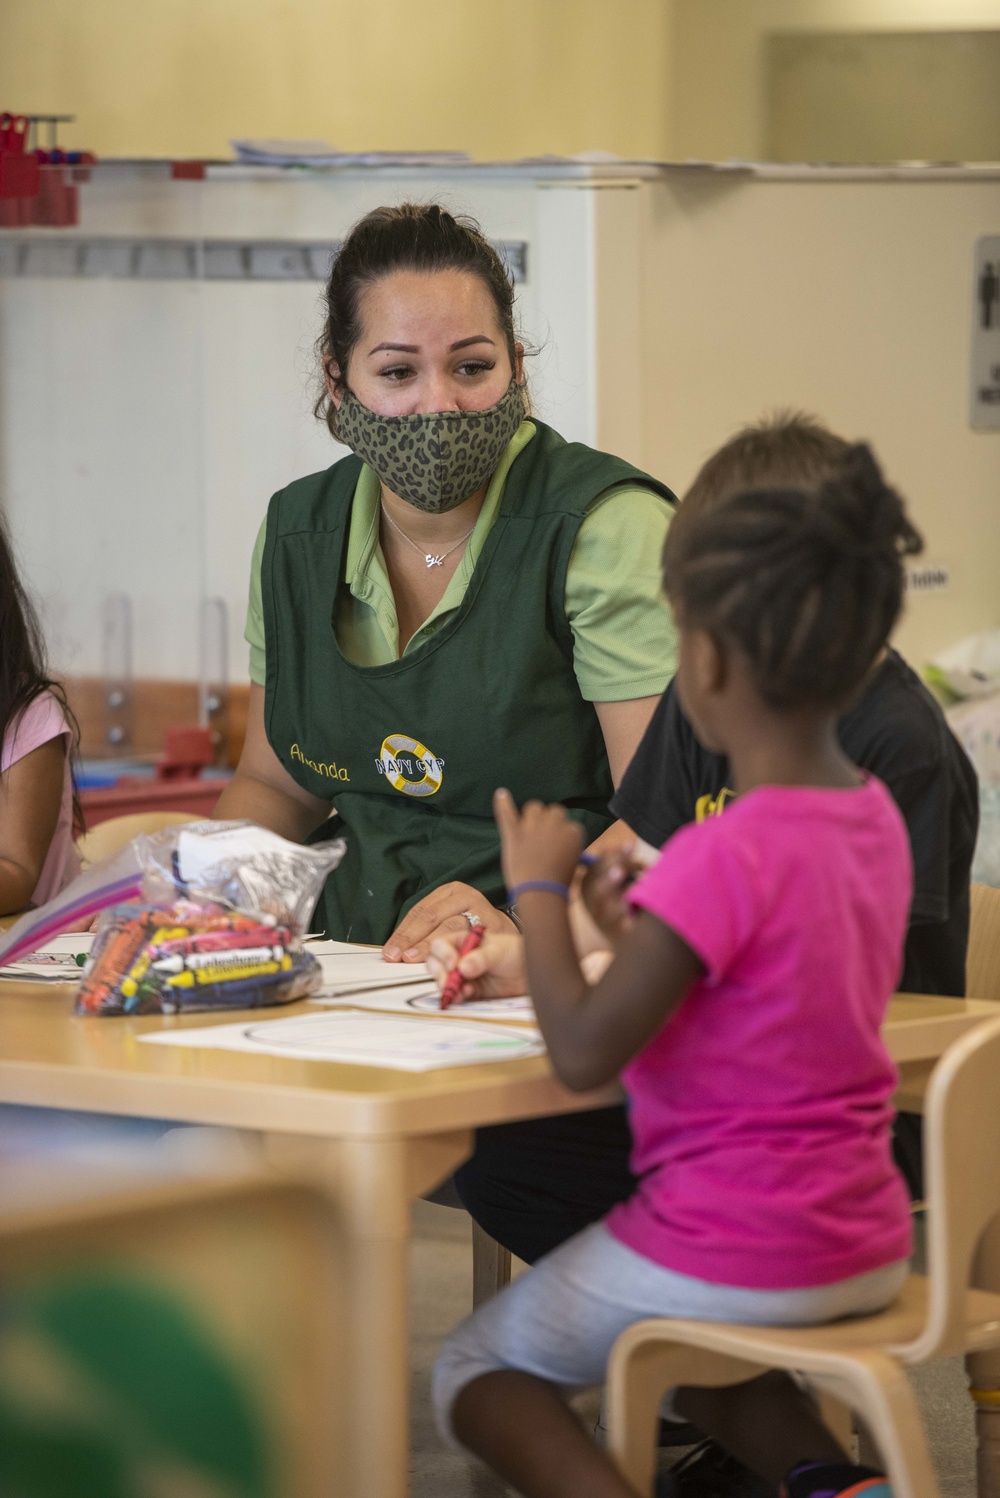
{"type": "Point", "coordinates": [373, 1182]}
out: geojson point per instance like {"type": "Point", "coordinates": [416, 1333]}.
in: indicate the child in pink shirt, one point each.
{"type": "Point", "coordinates": [742, 1010]}
{"type": "Point", "coordinates": [37, 854]}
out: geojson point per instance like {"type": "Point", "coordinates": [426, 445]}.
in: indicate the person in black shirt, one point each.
{"type": "Point", "coordinates": [534, 1184]}
{"type": "Point", "coordinates": [898, 732]}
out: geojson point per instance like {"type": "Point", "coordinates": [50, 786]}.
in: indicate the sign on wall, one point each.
{"type": "Point", "coordinates": [985, 413]}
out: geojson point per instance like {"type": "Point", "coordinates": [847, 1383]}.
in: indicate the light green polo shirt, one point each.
{"type": "Point", "coordinates": [624, 640]}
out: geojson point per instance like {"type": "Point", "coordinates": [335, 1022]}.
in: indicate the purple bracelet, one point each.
{"type": "Point", "coordinates": [546, 886]}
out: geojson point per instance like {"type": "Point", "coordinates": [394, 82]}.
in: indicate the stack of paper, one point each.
{"type": "Point", "coordinates": [321, 153]}
{"type": "Point", "coordinates": [350, 969]}
{"type": "Point", "coordinates": [424, 998]}
{"type": "Point", "coordinates": [61, 960]}
{"type": "Point", "coordinates": [358, 978]}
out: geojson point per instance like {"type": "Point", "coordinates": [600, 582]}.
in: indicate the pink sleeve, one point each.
{"type": "Point", "coordinates": [701, 886]}
{"type": "Point", "coordinates": [43, 719]}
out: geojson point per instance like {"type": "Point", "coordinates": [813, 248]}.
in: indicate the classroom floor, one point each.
{"type": "Point", "coordinates": [441, 1288]}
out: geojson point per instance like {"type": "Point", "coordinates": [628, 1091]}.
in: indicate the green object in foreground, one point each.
{"type": "Point", "coordinates": [124, 1384]}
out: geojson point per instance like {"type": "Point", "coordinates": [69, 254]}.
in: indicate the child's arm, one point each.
{"type": "Point", "coordinates": [591, 1032]}
{"type": "Point", "coordinates": [30, 799]}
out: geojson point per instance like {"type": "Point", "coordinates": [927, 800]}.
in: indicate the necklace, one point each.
{"type": "Point", "coordinates": [430, 557]}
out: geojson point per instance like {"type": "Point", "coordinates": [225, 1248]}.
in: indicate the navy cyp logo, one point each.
{"type": "Point", "coordinates": [402, 759]}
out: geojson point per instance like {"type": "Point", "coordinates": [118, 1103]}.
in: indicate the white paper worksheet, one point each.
{"type": "Point", "coordinates": [61, 960]}
{"type": "Point", "coordinates": [403, 1042]}
{"type": "Point", "coordinates": [424, 998]}
{"type": "Point", "coordinates": [357, 976]}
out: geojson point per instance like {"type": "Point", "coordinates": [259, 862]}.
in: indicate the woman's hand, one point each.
{"type": "Point", "coordinates": [495, 970]}
{"type": "Point", "coordinates": [540, 842]}
{"type": "Point", "coordinates": [441, 914]}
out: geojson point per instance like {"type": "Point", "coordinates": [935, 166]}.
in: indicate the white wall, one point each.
{"type": "Point", "coordinates": [145, 424]}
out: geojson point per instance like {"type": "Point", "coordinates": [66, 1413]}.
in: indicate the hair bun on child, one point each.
{"type": "Point", "coordinates": [858, 513]}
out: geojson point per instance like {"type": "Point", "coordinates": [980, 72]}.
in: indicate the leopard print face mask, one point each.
{"type": "Point", "coordinates": [434, 460]}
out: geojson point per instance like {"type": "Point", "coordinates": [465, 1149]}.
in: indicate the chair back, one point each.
{"type": "Point", "coordinates": [110, 836]}
{"type": "Point", "coordinates": [962, 1168]}
{"type": "Point", "coordinates": [982, 966]}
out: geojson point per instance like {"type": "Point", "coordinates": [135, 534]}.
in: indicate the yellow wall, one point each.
{"type": "Point", "coordinates": [182, 77]}
{"type": "Point", "coordinates": [883, 96]}
{"type": "Point", "coordinates": [852, 300]}
{"type": "Point", "coordinates": [719, 106]}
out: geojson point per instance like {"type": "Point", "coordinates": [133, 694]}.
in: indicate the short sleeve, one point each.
{"type": "Point", "coordinates": [43, 719]}
{"type": "Point", "coordinates": [701, 887]}
{"type": "Point", "coordinates": [254, 632]}
{"type": "Point", "coordinates": [624, 639]}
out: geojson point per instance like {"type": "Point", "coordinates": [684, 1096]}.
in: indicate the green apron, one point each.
{"type": "Point", "coordinates": [411, 752]}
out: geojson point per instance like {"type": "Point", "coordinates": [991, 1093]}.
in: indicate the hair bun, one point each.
{"type": "Point", "coordinates": [858, 513]}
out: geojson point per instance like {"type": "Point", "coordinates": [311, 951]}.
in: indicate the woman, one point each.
{"type": "Point", "coordinates": [466, 601]}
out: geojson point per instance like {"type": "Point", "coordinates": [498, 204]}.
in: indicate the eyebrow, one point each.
{"type": "Point", "coordinates": [411, 348]}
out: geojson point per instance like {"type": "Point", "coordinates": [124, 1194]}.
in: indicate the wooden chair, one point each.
{"type": "Point", "coordinates": [490, 1260]}
{"type": "Point", "coordinates": [982, 981]}
{"type": "Point", "coordinates": [982, 966]}
{"type": "Point", "coordinates": [107, 837]}
{"type": "Point", "coordinates": [862, 1362]}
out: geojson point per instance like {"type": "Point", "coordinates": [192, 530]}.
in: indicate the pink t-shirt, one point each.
{"type": "Point", "coordinates": [760, 1112]}
{"type": "Point", "coordinates": [43, 719]}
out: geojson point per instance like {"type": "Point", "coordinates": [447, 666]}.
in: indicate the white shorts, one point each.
{"type": "Point", "coordinates": [560, 1320]}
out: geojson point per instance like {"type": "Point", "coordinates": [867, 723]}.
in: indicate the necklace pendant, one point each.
{"type": "Point", "coordinates": [433, 561]}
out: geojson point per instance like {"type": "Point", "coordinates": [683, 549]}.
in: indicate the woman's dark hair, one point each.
{"type": "Point", "coordinates": [23, 666]}
{"type": "Point", "coordinates": [807, 583]}
{"type": "Point", "coordinates": [417, 237]}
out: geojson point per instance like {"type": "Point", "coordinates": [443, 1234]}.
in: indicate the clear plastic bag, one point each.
{"type": "Point", "coordinates": [192, 955]}
{"type": "Point", "coordinates": [969, 669]}
{"type": "Point", "coordinates": [240, 864]}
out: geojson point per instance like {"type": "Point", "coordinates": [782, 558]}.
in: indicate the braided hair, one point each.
{"type": "Point", "coordinates": [807, 583]}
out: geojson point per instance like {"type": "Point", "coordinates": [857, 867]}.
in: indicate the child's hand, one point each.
{"type": "Point", "coordinates": [495, 970]}
{"type": "Point", "coordinates": [540, 842]}
{"type": "Point", "coordinates": [604, 889]}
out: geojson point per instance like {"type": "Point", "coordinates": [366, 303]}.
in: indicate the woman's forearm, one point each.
{"type": "Point", "coordinates": [253, 800]}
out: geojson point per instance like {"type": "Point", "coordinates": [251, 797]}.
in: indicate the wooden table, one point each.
{"type": "Point", "coordinates": [374, 1139]}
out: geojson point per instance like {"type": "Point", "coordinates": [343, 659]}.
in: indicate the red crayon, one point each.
{"type": "Point", "coordinates": [451, 989]}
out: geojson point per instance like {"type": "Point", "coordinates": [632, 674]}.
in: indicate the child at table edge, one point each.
{"type": "Point", "coordinates": [759, 946]}
{"type": "Point", "coordinates": [37, 853]}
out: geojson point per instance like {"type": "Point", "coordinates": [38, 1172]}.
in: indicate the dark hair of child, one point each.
{"type": "Point", "coordinates": [805, 582]}
{"type": "Point", "coordinates": [23, 666]}
{"type": "Point", "coordinates": [786, 450]}
{"type": "Point", "coordinates": [411, 237]}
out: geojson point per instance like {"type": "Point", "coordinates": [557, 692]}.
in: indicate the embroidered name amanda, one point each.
{"type": "Point", "coordinates": [332, 772]}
